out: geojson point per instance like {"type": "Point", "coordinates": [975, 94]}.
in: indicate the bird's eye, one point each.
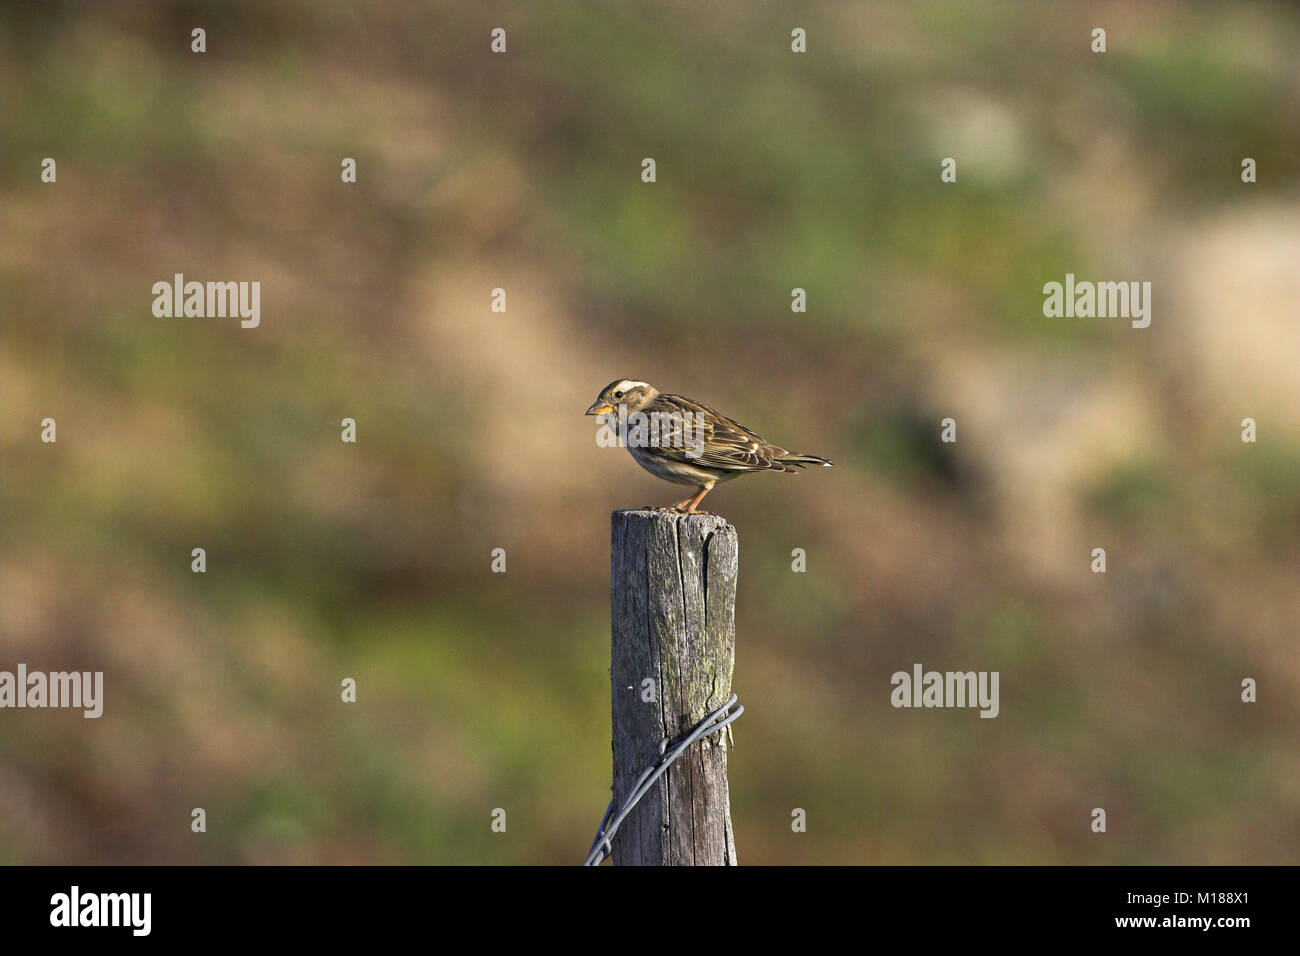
{"type": "Point", "coordinates": [618, 394]}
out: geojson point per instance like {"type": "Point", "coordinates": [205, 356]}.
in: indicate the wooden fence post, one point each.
{"type": "Point", "coordinates": [673, 613]}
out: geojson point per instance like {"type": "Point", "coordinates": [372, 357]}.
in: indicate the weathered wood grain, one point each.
{"type": "Point", "coordinates": [673, 600]}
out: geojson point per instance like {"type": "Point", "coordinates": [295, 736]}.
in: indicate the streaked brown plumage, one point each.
{"type": "Point", "coordinates": [696, 445]}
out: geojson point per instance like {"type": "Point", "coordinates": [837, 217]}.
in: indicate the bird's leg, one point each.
{"type": "Point", "coordinates": [693, 503]}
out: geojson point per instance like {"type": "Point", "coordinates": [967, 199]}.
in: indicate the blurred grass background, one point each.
{"type": "Point", "coordinates": [775, 170]}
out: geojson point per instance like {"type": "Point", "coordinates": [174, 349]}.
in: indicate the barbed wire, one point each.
{"type": "Point", "coordinates": [602, 846]}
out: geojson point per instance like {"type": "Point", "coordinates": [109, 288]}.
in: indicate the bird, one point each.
{"type": "Point", "coordinates": [692, 444]}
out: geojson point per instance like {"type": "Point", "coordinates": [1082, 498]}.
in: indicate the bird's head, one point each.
{"type": "Point", "coordinates": [623, 391]}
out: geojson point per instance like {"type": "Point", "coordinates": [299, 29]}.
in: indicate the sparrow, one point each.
{"type": "Point", "coordinates": [687, 442]}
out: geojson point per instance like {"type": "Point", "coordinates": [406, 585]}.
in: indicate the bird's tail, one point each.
{"type": "Point", "coordinates": [795, 459]}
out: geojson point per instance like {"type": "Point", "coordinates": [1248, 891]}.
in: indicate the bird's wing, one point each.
{"type": "Point", "coordinates": [727, 444]}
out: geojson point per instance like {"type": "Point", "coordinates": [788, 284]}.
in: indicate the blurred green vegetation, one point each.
{"type": "Point", "coordinates": [821, 171]}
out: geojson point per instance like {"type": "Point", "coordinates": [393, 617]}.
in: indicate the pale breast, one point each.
{"type": "Point", "coordinates": [680, 472]}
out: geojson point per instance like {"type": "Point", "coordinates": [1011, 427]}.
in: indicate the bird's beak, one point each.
{"type": "Point", "coordinates": [600, 408]}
